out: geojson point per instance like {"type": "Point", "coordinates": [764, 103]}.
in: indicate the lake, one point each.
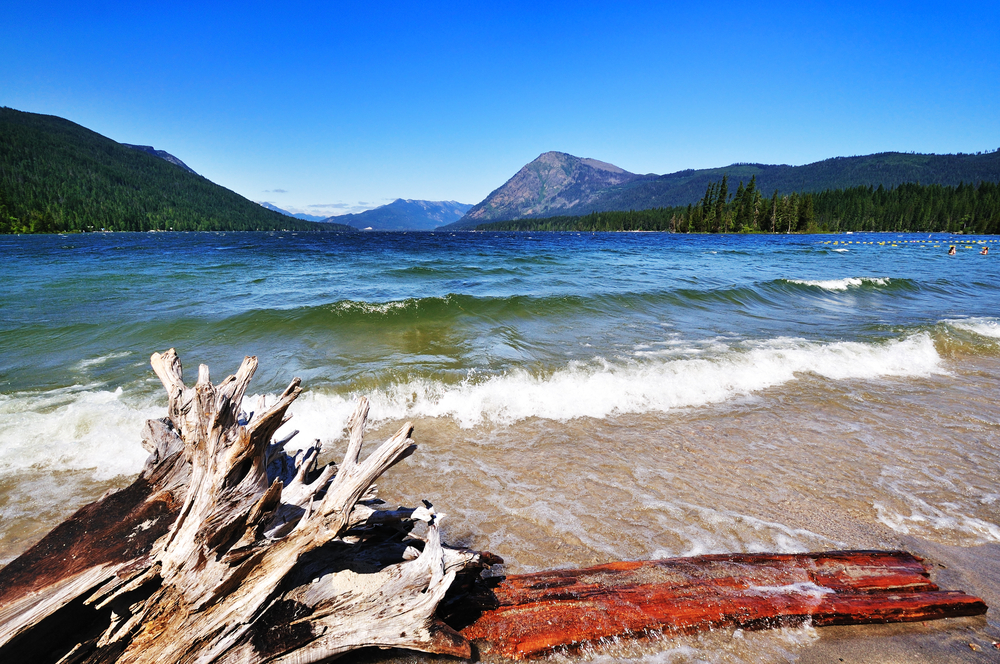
{"type": "Point", "coordinates": [578, 398]}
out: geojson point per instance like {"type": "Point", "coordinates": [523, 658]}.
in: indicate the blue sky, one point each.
{"type": "Point", "coordinates": [334, 107]}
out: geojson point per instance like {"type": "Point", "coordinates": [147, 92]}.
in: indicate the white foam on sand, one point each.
{"type": "Point", "coordinates": [713, 531]}
{"type": "Point", "coordinates": [717, 646]}
{"type": "Point", "coordinates": [945, 520]}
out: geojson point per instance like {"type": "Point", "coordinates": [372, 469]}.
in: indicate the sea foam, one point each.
{"type": "Point", "coordinates": [89, 427]}
{"type": "Point", "coordinates": [984, 327]}
{"type": "Point", "coordinates": [946, 520]}
{"type": "Point", "coordinates": [74, 428]}
{"type": "Point", "coordinates": [601, 388]}
{"type": "Point", "coordinates": [841, 284]}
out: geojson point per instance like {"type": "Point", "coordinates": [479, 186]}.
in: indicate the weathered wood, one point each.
{"type": "Point", "coordinates": [228, 549]}
{"type": "Point", "coordinates": [532, 614]}
{"type": "Point", "coordinates": [105, 544]}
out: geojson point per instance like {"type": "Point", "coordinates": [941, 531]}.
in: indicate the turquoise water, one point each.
{"type": "Point", "coordinates": [369, 309]}
{"type": "Point", "coordinates": [578, 398]}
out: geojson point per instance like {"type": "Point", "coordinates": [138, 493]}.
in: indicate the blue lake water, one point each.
{"type": "Point", "coordinates": [578, 398]}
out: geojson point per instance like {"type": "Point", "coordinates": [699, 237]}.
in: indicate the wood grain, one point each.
{"type": "Point", "coordinates": [533, 614]}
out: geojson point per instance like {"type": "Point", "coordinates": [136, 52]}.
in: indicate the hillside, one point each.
{"type": "Point", "coordinates": [643, 192]}
{"type": "Point", "coordinates": [554, 183]}
{"type": "Point", "coordinates": [406, 215]}
{"type": "Point", "coordinates": [297, 215]}
{"type": "Point", "coordinates": [931, 208]}
{"type": "Point", "coordinates": [162, 154]}
{"type": "Point", "coordinates": [58, 176]}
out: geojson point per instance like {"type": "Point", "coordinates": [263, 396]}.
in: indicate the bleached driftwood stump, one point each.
{"type": "Point", "coordinates": [227, 549]}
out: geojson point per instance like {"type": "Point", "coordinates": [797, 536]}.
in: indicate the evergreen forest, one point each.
{"type": "Point", "coordinates": [889, 169]}
{"type": "Point", "coordinates": [56, 176]}
{"type": "Point", "coordinates": [964, 208]}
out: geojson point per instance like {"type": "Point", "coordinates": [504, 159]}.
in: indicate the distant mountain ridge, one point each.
{"type": "Point", "coordinates": [162, 154]}
{"type": "Point", "coordinates": [405, 215]}
{"type": "Point", "coordinates": [557, 184]}
{"type": "Point", "coordinates": [297, 215]}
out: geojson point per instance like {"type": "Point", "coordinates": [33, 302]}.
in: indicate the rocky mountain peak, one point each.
{"type": "Point", "coordinates": [554, 183]}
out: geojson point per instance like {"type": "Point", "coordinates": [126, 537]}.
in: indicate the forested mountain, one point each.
{"type": "Point", "coordinates": [406, 215]}
{"type": "Point", "coordinates": [642, 192]}
{"type": "Point", "coordinates": [162, 154]}
{"type": "Point", "coordinates": [58, 176]}
{"type": "Point", "coordinates": [908, 207]}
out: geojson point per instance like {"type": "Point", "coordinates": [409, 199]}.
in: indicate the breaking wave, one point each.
{"type": "Point", "coordinates": [601, 389]}
{"type": "Point", "coordinates": [984, 327]}
{"type": "Point", "coordinates": [842, 284]}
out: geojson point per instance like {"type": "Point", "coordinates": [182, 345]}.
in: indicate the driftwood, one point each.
{"type": "Point", "coordinates": [532, 614]}
{"type": "Point", "coordinates": [227, 549]}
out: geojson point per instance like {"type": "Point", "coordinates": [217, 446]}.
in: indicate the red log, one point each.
{"type": "Point", "coordinates": [532, 614]}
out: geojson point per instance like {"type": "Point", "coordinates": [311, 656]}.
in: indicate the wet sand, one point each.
{"type": "Point", "coordinates": [907, 464]}
{"type": "Point", "coordinates": [810, 465]}
{"type": "Point", "coordinates": [976, 570]}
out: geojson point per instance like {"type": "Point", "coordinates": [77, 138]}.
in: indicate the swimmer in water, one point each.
{"type": "Point", "coordinates": [985, 251]}
{"type": "Point", "coordinates": [951, 250]}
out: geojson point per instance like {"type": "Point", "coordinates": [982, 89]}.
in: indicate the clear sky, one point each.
{"type": "Point", "coordinates": [333, 107]}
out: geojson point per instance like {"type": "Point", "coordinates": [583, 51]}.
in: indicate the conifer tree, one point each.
{"type": "Point", "coordinates": [774, 212]}
{"type": "Point", "coordinates": [757, 210]}
{"type": "Point", "coordinates": [806, 216]}
{"type": "Point", "coordinates": [720, 203]}
{"type": "Point", "coordinates": [740, 216]}
{"type": "Point", "coordinates": [791, 210]}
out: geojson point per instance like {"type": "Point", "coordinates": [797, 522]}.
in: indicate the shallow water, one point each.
{"type": "Point", "coordinates": [577, 398]}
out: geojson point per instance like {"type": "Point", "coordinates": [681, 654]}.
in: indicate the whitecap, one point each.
{"type": "Point", "coordinates": [75, 428]}
{"type": "Point", "coordinates": [984, 327]}
{"type": "Point", "coordinates": [97, 361]}
{"type": "Point", "coordinates": [841, 284]}
{"type": "Point", "coordinates": [379, 308]}
{"type": "Point", "coordinates": [601, 388]}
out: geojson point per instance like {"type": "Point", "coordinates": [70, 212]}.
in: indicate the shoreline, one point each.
{"type": "Point", "coordinates": [975, 570]}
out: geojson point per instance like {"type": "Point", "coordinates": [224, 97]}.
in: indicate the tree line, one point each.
{"type": "Point", "coordinates": [913, 207]}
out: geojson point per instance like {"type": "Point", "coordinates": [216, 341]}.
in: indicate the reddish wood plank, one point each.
{"type": "Point", "coordinates": [533, 614]}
